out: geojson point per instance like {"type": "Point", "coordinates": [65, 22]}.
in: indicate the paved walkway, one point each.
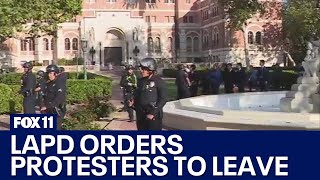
{"type": "Point", "coordinates": [4, 123]}
{"type": "Point", "coordinates": [119, 119]}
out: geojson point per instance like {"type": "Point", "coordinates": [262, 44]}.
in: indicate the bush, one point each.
{"type": "Point", "coordinates": [70, 62]}
{"type": "Point", "coordinates": [101, 106]}
{"type": "Point", "coordinates": [83, 119]}
{"type": "Point", "coordinates": [9, 101]}
{"type": "Point", "coordinates": [80, 91]}
{"type": "Point", "coordinates": [169, 73]}
{"type": "Point", "coordinates": [11, 78]}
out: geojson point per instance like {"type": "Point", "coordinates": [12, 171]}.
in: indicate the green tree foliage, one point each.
{"type": "Point", "coordinates": [46, 15]}
{"type": "Point", "coordinates": [239, 11]}
{"type": "Point", "coordinates": [301, 23]}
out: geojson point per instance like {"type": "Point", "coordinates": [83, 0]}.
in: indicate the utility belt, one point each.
{"type": "Point", "coordinates": [28, 93]}
{"type": "Point", "coordinates": [148, 108]}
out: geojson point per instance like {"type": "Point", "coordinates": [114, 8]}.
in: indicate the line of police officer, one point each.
{"type": "Point", "coordinates": [147, 95]}
{"type": "Point", "coordinates": [49, 93]}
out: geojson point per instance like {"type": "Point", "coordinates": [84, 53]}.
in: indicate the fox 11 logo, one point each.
{"type": "Point", "coordinates": [32, 121]}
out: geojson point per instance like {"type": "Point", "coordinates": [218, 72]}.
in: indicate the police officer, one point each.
{"type": "Point", "coordinates": [150, 97]}
{"type": "Point", "coordinates": [28, 86]}
{"type": "Point", "coordinates": [183, 83]}
{"type": "Point", "coordinates": [129, 84]}
{"type": "Point", "coordinates": [55, 95]}
{"type": "Point", "coordinates": [62, 76]}
{"type": "Point", "coordinates": [40, 87]}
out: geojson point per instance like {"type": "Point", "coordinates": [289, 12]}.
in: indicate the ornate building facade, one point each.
{"type": "Point", "coordinates": [123, 31]}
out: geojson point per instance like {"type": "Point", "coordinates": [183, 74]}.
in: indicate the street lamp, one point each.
{"type": "Point", "coordinates": [84, 46]}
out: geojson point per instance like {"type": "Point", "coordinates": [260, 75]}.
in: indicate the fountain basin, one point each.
{"type": "Point", "coordinates": [241, 111]}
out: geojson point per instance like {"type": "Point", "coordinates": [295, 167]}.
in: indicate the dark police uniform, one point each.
{"type": "Point", "coordinates": [182, 84]}
{"type": "Point", "coordinates": [129, 84]}
{"type": "Point", "coordinates": [28, 82]}
{"type": "Point", "coordinates": [150, 97]}
{"type": "Point", "coordinates": [55, 97]}
{"type": "Point", "coordinates": [63, 78]}
{"type": "Point", "coordinates": [41, 83]}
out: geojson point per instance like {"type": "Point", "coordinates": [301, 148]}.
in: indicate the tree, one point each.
{"type": "Point", "coordinates": [237, 13]}
{"type": "Point", "coordinates": [301, 23]}
{"type": "Point", "coordinates": [36, 17]}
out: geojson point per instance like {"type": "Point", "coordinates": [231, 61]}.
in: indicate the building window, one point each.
{"type": "Point", "coordinates": [46, 44]}
{"type": "Point", "coordinates": [154, 18]}
{"type": "Point", "coordinates": [205, 14]}
{"type": "Point", "coordinates": [189, 45]}
{"type": "Point", "coordinates": [111, 1]}
{"type": "Point", "coordinates": [185, 19]}
{"type": "Point", "coordinates": [172, 18]}
{"type": "Point", "coordinates": [250, 37]}
{"type": "Point", "coordinates": [168, 1]}
{"type": "Point", "coordinates": [215, 11]}
{"type": "Point", "coordinates": [31, 44]}
{"type": "Point", "coordinates": [148, 19]}
{"type": "Point", "coordinates": [195, 44]}
{"type": "Point", "coordinates": [158, 45]}
{"type": "Point", "coordinates": [75, 44]}
{"type": "Point", "coordinates": [52, 44]}
{"type": "Point", "coordinates": [23, 45]}
{"type": "Point", "coordinates": [188, 1]}
{"type": "Point", "coordinates": [150, 45]}
{"type": "Point", "coordinates": [205, 41]}
{"type": "Point", "coordinates": [150, 1]}
{"type": "Point", "coordinates": [170, 43]}
{"type": "Point", "coordinates": [167, 18]}
{"type": "Point", "coordinates": [190, 19]}
{"type": "Point", "coordinates": [67, 44]}
{"type": "Point", "coordinates": [217, 38]}
{"type": "Point", "coordinates": [258, 38]}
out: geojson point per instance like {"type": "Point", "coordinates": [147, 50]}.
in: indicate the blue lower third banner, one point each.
{"type": "Point", "coordinates": [34, 149]}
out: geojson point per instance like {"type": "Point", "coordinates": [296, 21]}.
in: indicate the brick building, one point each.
{"type": "Point", "coordinates": [122, 31]}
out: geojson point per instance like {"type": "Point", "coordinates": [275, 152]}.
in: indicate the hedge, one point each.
{"type": "Point", "coordinates": [284, 78]}
{"type": "Point", "coordinates": [79, 91]}
{"type": "Point", "coordinates": [10, 102]}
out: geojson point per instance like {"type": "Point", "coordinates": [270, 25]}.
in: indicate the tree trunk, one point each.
{"type": "Point", "coordinates": [55, 48]}
{"type": "Point", "coordinates": [246, 53]}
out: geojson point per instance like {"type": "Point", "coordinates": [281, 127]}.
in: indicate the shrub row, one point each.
{"type": "Point", "coordinates": [79, 91]}
{"type": "Point", "coordinates": [284, 78]}
{"type": "Point", "coordinates": [15, 78]}
{"type": "Point", "coordinates": [70, 62]}
{"type": "Point", "coordinates": [10, 102]}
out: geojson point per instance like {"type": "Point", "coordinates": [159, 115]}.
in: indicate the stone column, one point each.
{"type": "Point", "coordinates": [38, 49]}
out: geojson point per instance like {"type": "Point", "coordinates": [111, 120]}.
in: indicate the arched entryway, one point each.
{"type": "Point", "coordinates": [114, 47]}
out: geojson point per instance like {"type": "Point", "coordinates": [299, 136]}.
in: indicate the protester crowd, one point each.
{"type": "Point", "coordinates": [234, 79]}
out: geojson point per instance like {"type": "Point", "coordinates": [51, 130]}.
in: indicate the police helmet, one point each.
{"type": "Point", "coordinates": [27, 65]}
{"type": "Point", "coordinates": [41, 73]}
{"type": "Point", "coordinates": [148, 63]}
{"type": "Point", "coordinates": [61, 69]}
{"type": "Point", "coordinates": [128, 67]}
{"type": "Point", "coordinates": [53, 68]}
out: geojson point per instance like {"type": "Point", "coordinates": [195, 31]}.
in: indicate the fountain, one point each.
{"type": "Point", "coordinates": [304, 96]}
{"type": "Point", "coordinates": [297, 109]}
